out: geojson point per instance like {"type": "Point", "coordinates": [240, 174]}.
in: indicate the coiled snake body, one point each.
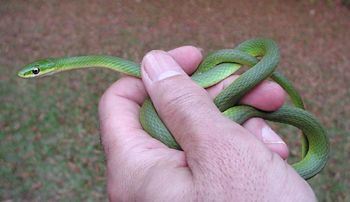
{"type": "Point", "coordinates": [213, 69]}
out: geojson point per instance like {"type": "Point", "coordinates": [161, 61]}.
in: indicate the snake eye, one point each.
{"type": "Point", "coordinates": [36, 70]}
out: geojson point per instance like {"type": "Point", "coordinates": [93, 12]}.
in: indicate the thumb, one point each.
{"type": "Point", "coordinates": [185, 108]}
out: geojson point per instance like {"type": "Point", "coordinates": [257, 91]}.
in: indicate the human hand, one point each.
{"type": "Point", "coordinates": [221, 160]}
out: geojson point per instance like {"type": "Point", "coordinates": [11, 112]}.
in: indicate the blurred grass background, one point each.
{"type": "Point", "coordinates": [49, 139]}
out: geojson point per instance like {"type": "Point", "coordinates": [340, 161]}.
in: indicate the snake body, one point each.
{"type": "Point", "coordinates": [213, 69]}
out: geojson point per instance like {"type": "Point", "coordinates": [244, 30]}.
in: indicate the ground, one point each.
{"type": "Point", "coordinates": [49, 139]}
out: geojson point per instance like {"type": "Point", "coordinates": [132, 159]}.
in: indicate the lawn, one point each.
{"type": "Point", "coordinates": [49, 138]}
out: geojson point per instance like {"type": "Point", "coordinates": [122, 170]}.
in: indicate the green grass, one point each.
{"type": "Point", "coordinates": [49, 138]}
{"type": "Point", "coordinates": [44, 149]}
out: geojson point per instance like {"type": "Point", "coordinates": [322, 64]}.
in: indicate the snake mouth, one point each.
{"type": "Point", "coordinates": [22, 74]}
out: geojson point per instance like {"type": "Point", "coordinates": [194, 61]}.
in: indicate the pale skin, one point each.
{"type": "Point", "coordinates": [220, 161]}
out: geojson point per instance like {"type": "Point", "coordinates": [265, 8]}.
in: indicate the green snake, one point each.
{"type": "Point", "coordinates": [261, 55]}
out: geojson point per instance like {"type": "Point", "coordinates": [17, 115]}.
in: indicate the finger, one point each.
{"type": "Point", "coordinates": [119, 116]}
{"type": "Point", "coordinates": [120, 104]}
{"type": "Point", "coordinates": [182, 105]}
{"type": "Point", "coordinates": [267, 96]}
{"type": "Point", "coordinates": [273, 99]}
{"type": "Point", "coordinates": [130, 94]}
{"type": "Point", "coordinates": [188, 57]}
{"type": "Point", "coordinates": [260, 129]}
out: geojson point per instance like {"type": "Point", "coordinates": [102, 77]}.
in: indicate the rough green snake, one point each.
{"type": "Point", "coordinates": [261, 55]}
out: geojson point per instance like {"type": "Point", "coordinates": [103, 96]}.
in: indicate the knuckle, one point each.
{"type": "Point", "coordinates": [180, 106]}
{"type": "Point", "coordinates": [180, 99]}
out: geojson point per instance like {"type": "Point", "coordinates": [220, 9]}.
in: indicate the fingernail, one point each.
{"type": "Point", "coordinates": [158, 65]}
{"type": "Point", "coordinates": [270, 137]}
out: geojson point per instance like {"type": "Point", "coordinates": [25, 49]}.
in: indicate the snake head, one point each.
{"type": "Point", "coordinates": [38, 68]}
